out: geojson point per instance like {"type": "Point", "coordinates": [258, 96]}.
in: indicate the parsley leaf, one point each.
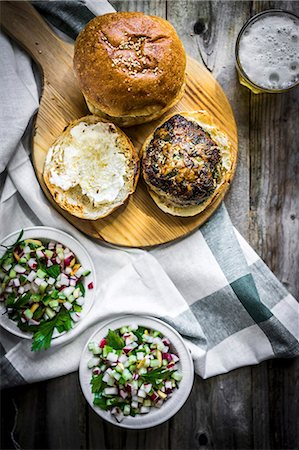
{"type": "Point", "coordinates": [42, 338]}
{"type": "Point", "coordinates": [139, 333]}
{"type": "Point", "coordinates": [100, 401]}
{"type": "Point", "coordinates": [97, 383]}
{"type": "Point", "coordinates": [114, 340]}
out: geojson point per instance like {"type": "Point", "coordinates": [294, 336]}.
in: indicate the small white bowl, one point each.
{"type": "Point", "coordinates": [47, 234]}
{"type": "Point", "coordinates": [185, 366]}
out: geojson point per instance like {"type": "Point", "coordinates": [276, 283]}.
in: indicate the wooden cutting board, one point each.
{"type": "Point", "coordinates": [138, 223]}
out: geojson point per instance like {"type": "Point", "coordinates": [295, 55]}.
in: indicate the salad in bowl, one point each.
{"type": "Point", "coordinates": [47, 282]}
{"type": "Point", "coordinates": [136, 372]}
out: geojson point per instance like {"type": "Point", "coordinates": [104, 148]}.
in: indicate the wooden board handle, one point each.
{"type": "Point", "coordinates": [22, 22]}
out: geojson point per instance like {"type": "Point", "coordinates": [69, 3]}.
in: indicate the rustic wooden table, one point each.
{"type": "Point", "coordinates": [252, 407]}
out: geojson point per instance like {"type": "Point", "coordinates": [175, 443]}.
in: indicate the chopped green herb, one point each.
{"type": "Point", "coordinates": [114, 340]}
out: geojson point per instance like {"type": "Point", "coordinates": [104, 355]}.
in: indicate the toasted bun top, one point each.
{"type": "Point", "coordinates": [128, 63]}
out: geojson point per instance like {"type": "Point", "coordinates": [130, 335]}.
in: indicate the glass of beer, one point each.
{"type": "Point", "coordinates": [267, 52]}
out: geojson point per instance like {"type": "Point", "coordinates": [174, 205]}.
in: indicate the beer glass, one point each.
{"type": "Point", "coordinates": [267, 52]}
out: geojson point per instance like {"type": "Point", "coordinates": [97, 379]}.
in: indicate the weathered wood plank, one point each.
{"type": "Point", "coordinates": [219, 412]}
{"type": "Point", "coordinates": [209, 34]}
{"type": "Point", "coordinates": [274, 231]}
{"type": "Point", "coordinates": [50, 415]}
{"type": "Point", "coordinates": [274, 209]}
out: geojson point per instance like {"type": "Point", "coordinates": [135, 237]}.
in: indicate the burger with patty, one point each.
{"type": "Point", "coordinates": [187, 162]}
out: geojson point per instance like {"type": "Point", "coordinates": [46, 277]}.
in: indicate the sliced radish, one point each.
{"type": "Point", "coordinates": [111, 391]}
{"type": "Point", "coordinates": [31, 276]}
{"type": "Point", "coordinates": [19, 269]}
{"type": "Point", "coordinates": [67, 305]}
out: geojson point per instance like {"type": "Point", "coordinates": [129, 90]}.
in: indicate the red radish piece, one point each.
{"type": "Point", "coordinates": [154, 397]}
{"type": "Point", "coordinates": [103, 343]}
{"type": "Point", "coordinates": [90, 285]}
{"type": "Point", "coordinates": [167, 356]}
{"type": "Point", "coordinates": [68, 259]}
{"type": "Point", "coordinates": [32, 263]}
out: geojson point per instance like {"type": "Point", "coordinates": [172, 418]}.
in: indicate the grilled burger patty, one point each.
{"type": "Point", "coordinates": [182, 161]}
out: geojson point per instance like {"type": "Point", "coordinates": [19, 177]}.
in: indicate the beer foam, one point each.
{"type": "Point", "coordinates": [269, 51]}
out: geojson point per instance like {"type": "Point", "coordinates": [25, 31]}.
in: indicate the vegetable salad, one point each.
{"type": "Point", "coordinates": [41, 286]}
{"type": "Point", "coordinates": [133, 370]}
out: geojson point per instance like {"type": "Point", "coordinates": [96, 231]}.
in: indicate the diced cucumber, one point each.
{"type": "Point", "coordinates": [123, 330]}
{"type": "Point", "coordinates": [28, 314]}
{"type": "Point", "coordinates": [147, 402]}
{"type": "Point", "coordinates": [110, 381]}
{"type": "Point", "coordinates": [77, 308]}
{"type": "Point", "coordinates": [155, 363]}
{"type": "Point", "coordinates": [22, 260]}
{"type": "Point", "coordinates": [116, 375]}
{"type": "Point", "coordinates": [127, 375]}
{"type": "Point", "coordinates": [107, 349]}
{"type": "Point", "coordinates": [93, 362]}
{"type": "Point", "coordinates": [41, 273]}
{"type": "Point", "coordinates": [53, 303]}
{"type": "Point", "coordinates": [86, 273]}
{"type": "Point", "coordinates": [35, 297]}
{"type": "Point", "coordinates": [12, 273]}
{"type": "Point", "coordinates": [132, 359]}
{"type": "Point", "coordinates": [127, 410]}
{"type": "Point", "coordinates": [43, 286]}
{"type": "Point", "coordinates": [176, 376]}
{"type": "Point", "coordinates": [50, 313]}
{"type": "Point", "coordinates": [49, 253]}
{"type": "Point", "coordinates": [77, 293]}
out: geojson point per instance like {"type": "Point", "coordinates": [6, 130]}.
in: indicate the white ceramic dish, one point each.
{"type": "Point", "coordinates": [157, 415]}
{"type": "Point", "coordinates": [47, 234]}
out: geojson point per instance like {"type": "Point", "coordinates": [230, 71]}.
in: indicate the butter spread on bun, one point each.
{"type": "Point", "coordinates": [186, 163]}
{"type": "Point", "coordinates": [91, 168]}
{"type": "Point", "coordinates": [130, 67]}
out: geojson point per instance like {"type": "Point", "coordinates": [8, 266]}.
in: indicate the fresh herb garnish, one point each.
{"type": "Point", "coordinates": [42, 338]}
{"type": "Point", "coordinates": [96, 383]}
{"type": "Point", "coordinates": [156, 374]}
{"type": "Point", "coordinates": [114, 340]}
{"type": "Point", "coordinates": [139, 333]}
{"type": "Point", "coordinates": [100, 402]}
{"type": "Point", "coordinates": [10, 248]}
{"type": "Point", "coordinates": [53, 271]}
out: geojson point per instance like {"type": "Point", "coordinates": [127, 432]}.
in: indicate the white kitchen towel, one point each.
{"type": "Point", "coordinates": [211, 286]}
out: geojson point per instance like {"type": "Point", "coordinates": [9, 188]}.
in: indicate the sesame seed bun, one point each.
{"type": "Point", "coordinates": [130, 67]}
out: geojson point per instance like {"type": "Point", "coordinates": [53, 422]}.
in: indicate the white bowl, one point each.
{"type": "Point", "coordinates": [51, 234]}
{"type": "Point", "coordinates": [157, 415]}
